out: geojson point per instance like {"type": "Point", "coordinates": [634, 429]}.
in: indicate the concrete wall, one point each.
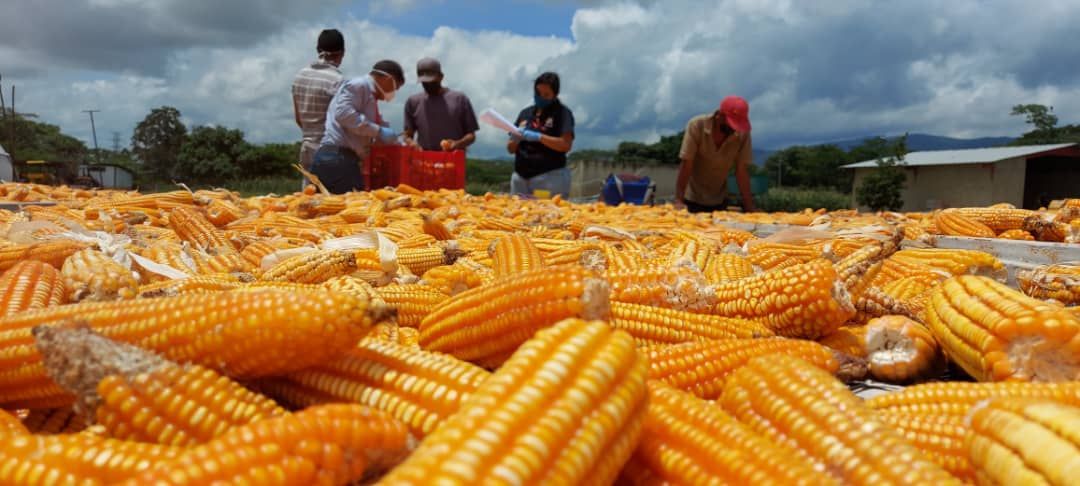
{"type": "Point", "coordinates": [587, 178]}
{"type": "Point", "coordinates": [943, 186]}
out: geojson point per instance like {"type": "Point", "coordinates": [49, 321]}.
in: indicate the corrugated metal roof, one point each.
{"type": "Point", "coordinates": [967, 156]}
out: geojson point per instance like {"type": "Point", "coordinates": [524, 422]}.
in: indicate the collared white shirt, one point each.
{"type": "Point", "coordinates": [312, 90]}
{"type": "Point", "coordinates": [352, 118]}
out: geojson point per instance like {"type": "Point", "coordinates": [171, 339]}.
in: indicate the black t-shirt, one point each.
{"type": "Point", "coordinates": [534, 158]}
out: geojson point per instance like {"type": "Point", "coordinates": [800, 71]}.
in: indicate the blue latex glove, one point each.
{"type": "Point", "coordinates": [387, 135]}
{"type": "Point", "coordinates": [515, 136]}
{"type": "Point", "coordinates": [530, 135]}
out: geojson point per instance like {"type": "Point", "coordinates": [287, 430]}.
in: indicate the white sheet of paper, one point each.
{"type": "Point", "coordinates": [493, 118]}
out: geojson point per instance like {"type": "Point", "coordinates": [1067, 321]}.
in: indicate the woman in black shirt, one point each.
{"type": "Point", "coordinates": [547, 134]}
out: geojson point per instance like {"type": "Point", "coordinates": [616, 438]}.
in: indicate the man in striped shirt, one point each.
{"type": "Point", "coordinates": [312, 90]}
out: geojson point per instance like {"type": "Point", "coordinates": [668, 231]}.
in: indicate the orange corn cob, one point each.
{"type": "Point", "coordinates": [420, 260]}
{"type": "Point", "coordinates": [10, 424]}
{"type": "Point", "coordinates": [1017, 441]}
{"type": "Point", "coordinates": [53, 252]}
{"type": "Point", "coordinates": [801, 406]}
{"type": "Point", "coordinates": [570, 254]}
{"type": "Point", "coordinates": [47, 421]}
{"type": "Point", "coordinates": [955, 262]}
{"type": "Point", "coordinates": [996, 333]}
{"type": "Point", "coordinates": [413, 302]}
{"type": "Point", "coordinates": [244, 334]}
{"type": "Point", "coordinates": [354, 285]}
{"type": "Point", "coordinates": [312, 267]}
{"type": "Point", "coordinates": [94, 276]}
{"type": "Point", "coordinates": [501, 224]}
{"type": "Point", "coordinates": [137, 396]}
{"type": "Point", "coordinates": [419, 240]}
{"type": "Point", "coordinates": [686, 440]}
{"type": "Point", "coordinates": [409, 336]}
{"type": "Point", "coordinates": [321, 206]}
{"type": "Point", "coordinates": [655, 325]}
{"type": "Point", "coordinates": [939, 437]}
{"type": "Point", "coordinates": [850, 340]}
{"type": "Point", "coordinates": [876, 303]}
{"type": "Point", "coordinates": [1060, 282]}
{"type": "Point", "coordinates": [997, 219]}
{"type": "Point", "coordinates": [199, 284]}
{"type": "Point", "coordinates": [805, 301]}
{"type": "Point", "coordinates": [192, 227]}
{"type": "Point", "coordinates": [727, 266]}
{"type": "Point", "coordinates": [910, 287]}
{"type": "Point", "coordinates": [514, 253]}
{"type": "Point", "coordinates": [30, 285]}
{"type": "Point", "coordinates": [893, 269]}
{"type": "Point", "coordinates": [954, 224]}
{"type": "Point", "coordinates": [486, 324]}
{"type": "Point", "coordinates": [1016, 234]}
{"type": "Point", "coordinates": [33, 460]}
{"type": "Point", "coordinates": [567, 408]}
{"type": "Point", "coordinates": [386, 332]}
{"type": "Point", "coordinates": [419, 388]}
{"type": "Point", "coordinates": [701, 368]}
{"type": "Point", "coordinates": [435, 228]}
{"type": "Point", "coordinates": [255, 251]}
{"type": "Point", "coordinates": [901, 350]}
{"type": "Point", "coordinates": [695, 250]}
{"type": "Point", "coordinates": [326, 444]}
{"type": "Point", "coordinates": [1044, 230]}
{"type": "Point", "coordinates": [452, 279]}
{"type": "Point", "coordinates": [220, 213]}
{"type": "Point", "coordinates": [958, 398]}
{"type": "Point", "coordinates": [679, 288]}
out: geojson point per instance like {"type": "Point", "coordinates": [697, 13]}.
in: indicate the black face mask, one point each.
{"type": "Point", "coordinates": [433, 88]}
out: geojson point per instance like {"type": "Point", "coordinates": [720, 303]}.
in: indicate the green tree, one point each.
{"type": "Point", "coordinates": [1038, 116]}
{"type": "Point", "coordinates": [272, 159]}
{"type": "Point", "coordinates": [212, 154]}
{"type": "Point", "coordinates": [157, 141]}
{"type": "Point", "coordinates": [811, 167]}
{"type": "Point", "coordinates": [881, 189]}
{"type": "Point", "coordinates": [27, 139]}
{"type": "Point", "coordinates": [1045, 129]}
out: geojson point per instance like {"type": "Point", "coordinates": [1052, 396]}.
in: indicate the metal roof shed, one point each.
{"type": "Point", "coordinates": [1026, 176]}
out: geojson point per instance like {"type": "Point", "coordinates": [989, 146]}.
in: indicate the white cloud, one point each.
{"type": "Point", "coordinates": [638, 70]}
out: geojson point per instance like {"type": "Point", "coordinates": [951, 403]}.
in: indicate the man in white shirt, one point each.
{"type": "Point", "coordinates": [312, 90]}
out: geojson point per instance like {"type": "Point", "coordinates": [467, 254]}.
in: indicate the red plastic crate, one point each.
{"type": "Point", "coordinates": [390, 165]}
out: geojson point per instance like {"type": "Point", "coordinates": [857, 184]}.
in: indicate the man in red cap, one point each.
{"type": "Point", "coordinates": [713, 144]}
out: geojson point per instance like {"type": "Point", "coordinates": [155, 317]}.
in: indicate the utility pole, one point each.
{"type": "Point", "coordinates": [116, 142]}
{"type": "Point", "coordinates": [94, 131]}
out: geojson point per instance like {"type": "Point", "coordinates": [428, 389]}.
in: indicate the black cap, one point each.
{"type": "Point", "coordinates": [330, 40]}
{"type": "Point", "coordinates": [428, 69]}
{"type": "Point", "coordinates": [391, 68]}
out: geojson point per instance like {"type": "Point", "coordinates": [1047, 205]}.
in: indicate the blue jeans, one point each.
{"type": "Point", "coordinates": [338, 168]}
{"type": "Point", "coordinates": [556, 181]}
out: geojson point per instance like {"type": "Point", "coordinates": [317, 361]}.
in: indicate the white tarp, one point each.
{"type": "Point", "coordinates": [7, 167]}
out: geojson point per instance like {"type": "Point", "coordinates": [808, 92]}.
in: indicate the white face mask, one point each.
{"type": "Point", "coordinates": [387, 97]}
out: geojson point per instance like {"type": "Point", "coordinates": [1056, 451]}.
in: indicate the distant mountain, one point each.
{"type": "Point", "coordinates": [916, 142]}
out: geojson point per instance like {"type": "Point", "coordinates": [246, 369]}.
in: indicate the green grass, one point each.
{"type": "Point", "coordinates": [790, 200]}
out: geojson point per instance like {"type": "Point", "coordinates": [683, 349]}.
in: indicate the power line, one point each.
{"type": "Point", "coordinates": [116, 142]}
{"type": "Point", "coordinates": [94, 131]}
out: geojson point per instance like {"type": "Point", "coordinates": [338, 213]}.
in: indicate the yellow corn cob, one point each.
{"type": "Point", "coordinates": [893, 269]}
{"type": "Point", "coordinates": [514, 253]}
{"type": "Point", "coordinates": [570, 254]}
{"type": "Point", "coordinates": [94, 276]}
{"type": "Point", "coordinates": [801, 406]}
{"type": "Point", "coordinates": [939, 437]}
{"type": "Point", "coordinates": [192, 227]}
{"type": "Point", "coordinates": [320, 206]}
{"type": "Point", "coordinates": [652, 326]}
{"type": "Point", "coordinates": [954, 224]}
{"type": "Point", "coordinates": [11, 425]}
{"type": "Point", "coordinates": [244, 334]}
{"type": "Point", "coordinates": [255, 251]}
{"type": "Point", "coordinates": [701, 368]}
{"type": "Point", "coordinates": [30, 285]}
{"type": "Point", "coordinates": [199, 284]}
{"type": "Point", "coordinates": [486, 324]}
{"type": "Point", "coordinates": [326, 444]}
{"type": "Point", "coordinates": [680, 288]}
{"type": "Point", "coordinates": [419, 240]}
{"type": "Point", "coordinates": [1016, 234]}
{"type": "Point", "coordinates": [220, 213]}
{"type": "Point", "coordinates": [696, 250]}
{"type": "Point", "coordinates": [1014, 441]}
{"type": "Point", "coordinates": [876, 303]}
{"type": "Point", "coordinates": [137, 396]}
{"type": "Point", "coordinates": [686, 440]}
{"type": "Point", "coordinates": [1060, 282]}
{"type": "Point", "coordinates": [501, 224]}
{"type": "Point", "coordinates": [354, 285]}
{"type": "Point", "coordinates": [901, 350]}
{"type": "Point", "coordinates": [229, 261]}
{"type": "Point", "coordinates": [34, 460]}
{"type": "Point", "coordinates": [420, 260]}
{"type": "Point", "coordinates": [996, 333]}
{"type": "Point", "coordinates": [913, 231]}
{"type": "Point", "coordinates": [312, 267]}
{"type": "Point", "coordinates": [727, 266]}
{"type": "Point", "coordinates": [997, 219]}
{"type": "Point", "coordinates": [46, 421]}
{"type": "Point", "coordinates": [955, 262]}
{"type": "Point", "coordinates": [858, 269]}
{"type": "Point", "coordinates": [435, 228]}
{"type": "Point", "coordinates": [850, 340]}
{"type": "Point", "coordinates": [910, 287]}
{"type": "Point", "coordinates": [53, 252]}
{"type": "Point", "coordinates": [452, 279]}
{"type": "Point", "coordinates": [409, 336]}
{"type": "Point", "coordinates": [804, 301]}
{"type": "Point", "coordinates": [566, 409]}
{"type": "Point", "coordinates": [957, 398]}
{"type": "Point", "coordinates": [419, 388]}
{"type": "Point", "coordinates": [413, 302]}
{"type": "Point", "coordinates": [1044, 230]}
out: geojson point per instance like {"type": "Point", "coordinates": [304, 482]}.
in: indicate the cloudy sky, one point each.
{"type": "Point", "coordinates": [631, 70]}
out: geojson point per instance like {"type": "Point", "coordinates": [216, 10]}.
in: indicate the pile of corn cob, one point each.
{"type": "Point", "coordinates": [407, 337]}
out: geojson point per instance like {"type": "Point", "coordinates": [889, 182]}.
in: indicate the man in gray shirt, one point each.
{"type": "Point", "coordinates": [440, 118]}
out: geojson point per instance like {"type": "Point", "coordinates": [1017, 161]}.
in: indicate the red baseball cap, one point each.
{"type": "Point", "coordinates": [737, 113]}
